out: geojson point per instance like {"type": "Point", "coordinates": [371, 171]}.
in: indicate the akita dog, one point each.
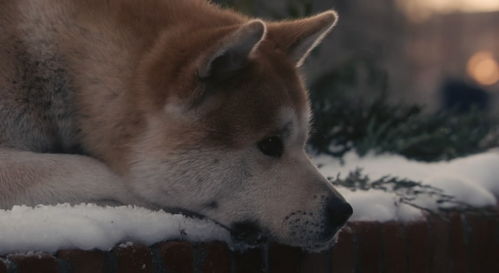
{"type": "Point", "coordinates": [170, 104]}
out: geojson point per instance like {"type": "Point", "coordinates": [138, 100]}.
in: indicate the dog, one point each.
{"type": "Point", "coordinates": [178, 105]}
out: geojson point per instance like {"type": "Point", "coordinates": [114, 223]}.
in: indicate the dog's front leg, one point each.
{"type": "Point", "coordinates": [28, 178]}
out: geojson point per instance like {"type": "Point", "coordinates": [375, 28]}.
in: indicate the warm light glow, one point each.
{"type": "Point", "coordinates": [461, 5]}
{"type": "Point", "coordinates": [419, 10]}
{"type": "Point", "coordinates": [483, 68]}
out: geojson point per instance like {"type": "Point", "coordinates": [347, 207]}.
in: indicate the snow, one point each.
{"type": "Point", "coordinates": [50, 228]}
{"type": "Point", "coordinates": [472, 180]}
{"type": "Point", "coordinates": [375, 205]}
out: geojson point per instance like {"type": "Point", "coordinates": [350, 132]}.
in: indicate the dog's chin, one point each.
{"type": "Point", "coordinates": [313, 244]}
{"type": "Point", "coordinates": [248, 234]}
{"type": "Point", "coordinates": [322, 246]}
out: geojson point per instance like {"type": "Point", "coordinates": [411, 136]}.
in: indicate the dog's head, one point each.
{"type": "Point", "coordinates": [227, 120]}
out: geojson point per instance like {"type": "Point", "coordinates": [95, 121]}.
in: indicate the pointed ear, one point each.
{"type": "Point", "coordinates": [299, 37]}
{"type": "Point", "coordinates": [233, 52]}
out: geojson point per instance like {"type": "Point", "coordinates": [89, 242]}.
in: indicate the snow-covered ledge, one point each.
{"type": "Point", "coordinates": [50, 228]}
{"type": "Point", "coordinates": [81, 238]}
{"type": "Point", "coordinates": [472, 181]}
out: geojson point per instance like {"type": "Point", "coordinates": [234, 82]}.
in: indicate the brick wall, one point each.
{"type": "Point", "coordinates": [454, 243]}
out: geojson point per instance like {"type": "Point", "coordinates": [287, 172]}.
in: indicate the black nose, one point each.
{"type": "Point", "coordinates": [337, 213]}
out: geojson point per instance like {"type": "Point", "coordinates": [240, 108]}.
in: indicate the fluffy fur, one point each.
{"type": "Point", "coordinates": [161, 103]}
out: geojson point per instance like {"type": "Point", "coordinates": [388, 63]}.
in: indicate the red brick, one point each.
{"type": "Point", "coordinates": [394, 248]}
{"type": "Point", "coordinates": [285, 259]}
{"type": "Point", "coordinates": [496, 231]}
{"type": "Point", "coordinates": [439, 236]}
{"type": "Point", "coordinates": [368, 237]}
{"type": "Point", "coordinates": [216, 259]}
{"type": "Point", "coordinates": [3, 266]}
{"type": "Point", "coordinates": [483, 249]}
{"type": "Point", "coordinates": [457, 247]}
{"type": "Point", "coordinates": [495, 236]}
{"type": "Point", "coordinates": [249, 261]}
{"type": "Point", "coordinates": [317, 262]}
{"type": "Point", "coordinates": [342, 254]}
{"type": "Point", "coordinates": [177, 256]}
{"type": "Point", "coordinates": [30, 263]}
{"type": "Point", "coordinates": [133, 258]}
{"type": "Point", "coordinates": [418, 242]}
{"type": "Point", "coordinates": [80, 261]}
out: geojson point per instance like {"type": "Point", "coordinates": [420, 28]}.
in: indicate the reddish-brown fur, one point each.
{"type": "Point", "coordinates": [166, 41]}
{"type": "Point", "coordinates": [129, 58]}
{"type": "Point", "coordinates": [173, 104]}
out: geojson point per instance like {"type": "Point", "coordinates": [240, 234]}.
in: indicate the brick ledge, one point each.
{"type": "Point", "coordinates": [457, 243]}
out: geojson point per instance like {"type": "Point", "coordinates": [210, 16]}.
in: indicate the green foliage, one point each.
{"type": "Point", "coordinates": [408, 192]}
{"type": "Point", "coordinates": [299, 8]}
{"type": "Point", "coordinates": [241, 5]}
{"type": "Point", "coordinates": [343, 124]}
{"type": "Point", "coordinates": [293, 8]}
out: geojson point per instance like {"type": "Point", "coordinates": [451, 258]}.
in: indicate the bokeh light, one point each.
{"type": "Point", "coordinates": [484, 68]}
{"type": "Point", "coordinates": [420, 10]}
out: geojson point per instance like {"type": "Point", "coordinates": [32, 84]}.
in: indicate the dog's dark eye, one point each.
{"type": "Point", "coordinates": [271, 146]}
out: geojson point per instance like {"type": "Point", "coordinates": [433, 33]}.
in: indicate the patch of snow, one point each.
{"type": "Point", "coordinates": [50, 228]}
{"type": "Point", "coordinates": [472, 180]}
{"type": "Point", "coordinates": [376, 205]}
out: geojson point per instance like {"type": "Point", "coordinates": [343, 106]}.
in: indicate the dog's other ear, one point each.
{"type": "Point", "coordinates": [233, 52]}
{"type": "Point", "coordinates": [299, 37]}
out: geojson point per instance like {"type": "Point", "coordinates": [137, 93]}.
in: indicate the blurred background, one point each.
{"type": "Point", "coordinates": [413, 77]}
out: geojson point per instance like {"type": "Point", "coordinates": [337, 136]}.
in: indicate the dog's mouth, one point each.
{"type": "Point", "coordinates": [243, 233]}
{"type": "Point", "coordinates": [248, 232]}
